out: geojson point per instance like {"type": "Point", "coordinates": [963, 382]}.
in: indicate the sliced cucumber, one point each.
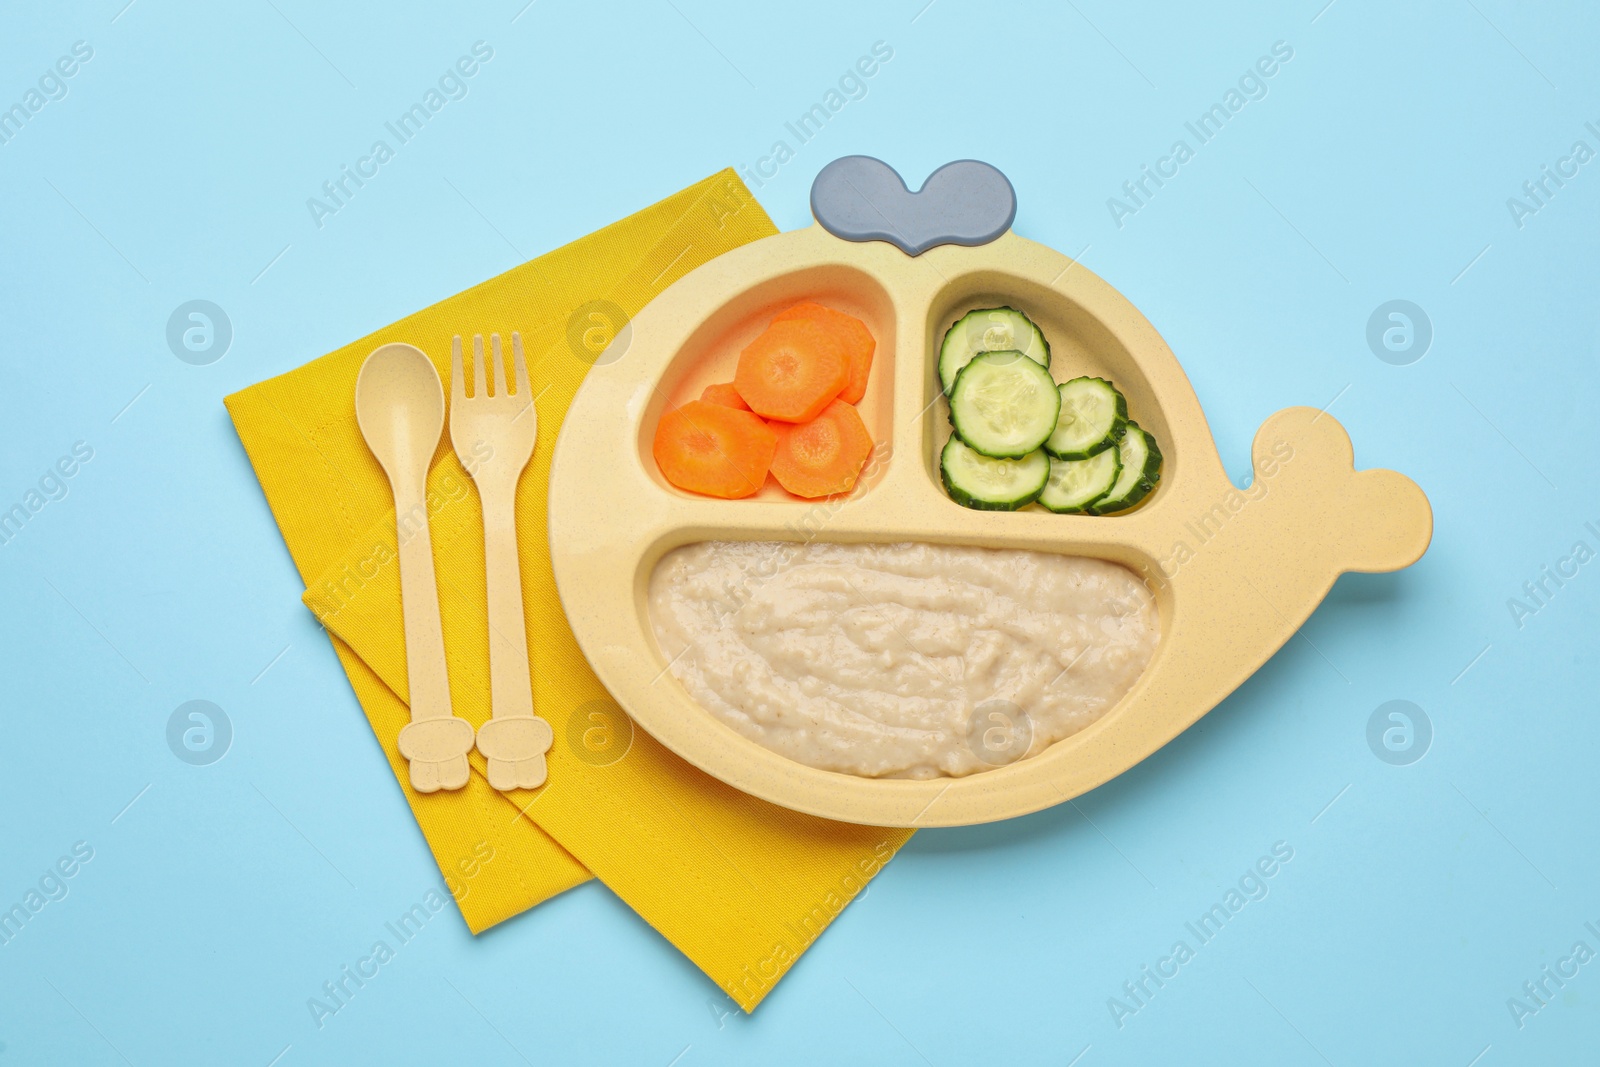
{"type": "Point", "coordinates": [1075, 484]}
{"type": "Point", "coordinates": [1004, 405]}
{"type": "Point", "coordinates": [989, 330]}
{"type": "Point", "coordinates": [1141, 469]}
{"type": "Point", "coordinates": [1092, 417]}
{"type": "Point", "coordinates": [976, 481]}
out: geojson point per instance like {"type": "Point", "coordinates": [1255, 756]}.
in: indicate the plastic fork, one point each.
{"type": "Point", "coordinates": [494, 435]}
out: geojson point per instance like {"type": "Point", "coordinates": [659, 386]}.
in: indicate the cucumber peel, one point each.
{"type": "Point", "coordinates": [1141, 470]}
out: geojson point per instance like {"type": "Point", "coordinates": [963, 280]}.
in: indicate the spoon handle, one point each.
{"type": "Point", "coordinates": [426, 675]}
{"type": "Point", "coordinates": [435, 742]}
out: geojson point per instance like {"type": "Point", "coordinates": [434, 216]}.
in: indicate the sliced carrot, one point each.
{"type": "Point", "coordinates": [824, 456]}
{"type": "Point", "coordinates": [792, 370]}
{"type": "Point", "coordinates": [858, 341]}
{"type": "Point", "coordinates": [712, 449]}
{"type": "Point", "coordinates": [725, 394]}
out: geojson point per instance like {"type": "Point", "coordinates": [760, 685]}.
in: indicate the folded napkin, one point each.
{"type": "Point", "coordinates": [741, 886]}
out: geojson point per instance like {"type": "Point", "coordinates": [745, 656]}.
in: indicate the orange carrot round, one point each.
{"type": "Point", "coordinates": [792, 370]}
{"type": "Point", "coordinates": [725, 394]}
{"type": "Point", "coordinates": [857, 339]}
{"type": "Point", "coordinates": [712, 449]}
{"type": "Point", "coordinates": [824, 456]}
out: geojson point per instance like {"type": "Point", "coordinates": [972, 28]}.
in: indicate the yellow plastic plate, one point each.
{"type": "Point", "coordinates": [1234, 571]}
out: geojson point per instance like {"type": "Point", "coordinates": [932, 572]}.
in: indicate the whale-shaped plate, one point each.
{"type": "Point", "coordinates": [1234, 572]}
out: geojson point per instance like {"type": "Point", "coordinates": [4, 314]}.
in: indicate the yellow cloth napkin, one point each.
{"type": "Point", "coordinates": [741, 886]}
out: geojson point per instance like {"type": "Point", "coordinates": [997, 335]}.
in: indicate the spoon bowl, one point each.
{"type": "Point", "coordinates": [400, 409]}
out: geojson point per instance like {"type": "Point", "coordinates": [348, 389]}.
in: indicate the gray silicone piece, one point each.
{"type": "Point", "coordinates": [860, 198]}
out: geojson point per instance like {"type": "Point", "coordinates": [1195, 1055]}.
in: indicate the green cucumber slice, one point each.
{"type": "Point", "coordinates": [1074, 484]}
{"type": "Point", "coordinates": [1092, 418]}
{"type": "Point", "coordinates": [976, 481]}
{"type": "Point", "coordinates": [1141, 469]}
{"type": "Point", "coordinates": [1004, 405]}
{"type": "Point", "coordinates": [989, 330]}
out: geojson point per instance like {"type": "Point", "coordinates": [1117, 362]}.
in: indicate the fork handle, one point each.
{"type": "Point", "coordinates": [510, 679]}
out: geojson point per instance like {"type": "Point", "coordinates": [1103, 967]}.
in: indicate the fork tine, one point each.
{"type": "Point", "coordinates": [458, 383]}
{"type": "Point", "coordinates": [499, 365]}
{"type": "Point", "coordinates": [522, 367]}
{"type": "Point", "coordinates": [479, 390]}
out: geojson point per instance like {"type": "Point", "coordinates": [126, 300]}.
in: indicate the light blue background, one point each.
{"type": "Point", "coordinates": [1377, 167]}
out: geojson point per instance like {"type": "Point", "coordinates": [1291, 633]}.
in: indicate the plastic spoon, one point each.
{"type": "Point", "coordinates": [400, 409]}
